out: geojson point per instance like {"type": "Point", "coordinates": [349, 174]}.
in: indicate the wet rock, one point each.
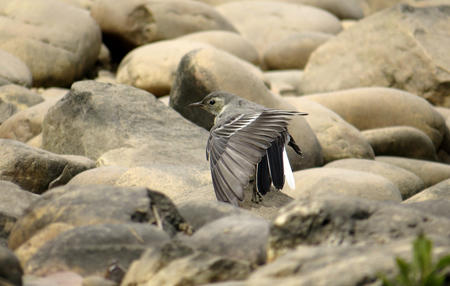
{"type": "Point", "coordinates": [430, 172]}
{"type": "Point", "coordinates": [280, 20]}
{"type": "Point", "coordinates": [328, 219]}
{"type": "Point", "coordinates": [88, 250]}
{"type": "Point", "coordinates": [407, 182]}
{"type": "Point", "coordinates": [13, 70]}
{"type": "Point", "coordinates": [343, 181]}
{"type": "Point", "coordinates": [439, 191]}
{"type": "Point", "coordinates": [203, 71]}
{"type": "Point", "coordinates": [293, 51]}
{"type": "Point", "coordinates": [368, 108]}
{"type": "Point", "coordinates": [37, 170]}
{"type": "Point", "coordinates": [97, 205]}
{"type": "Point", "coordinates": [377, 49]}
{"type": "Point", "coordinates": [402, 141]}
{"type": "Point", "coordinates": [56, 51]}
{"type": "Point", "coordinates": [337, 138]}
{"type": "Point", "coordinates": [178, 264]}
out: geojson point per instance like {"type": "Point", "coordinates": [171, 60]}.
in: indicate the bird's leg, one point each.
{"type": "Point", "coordinates": [256, 195]}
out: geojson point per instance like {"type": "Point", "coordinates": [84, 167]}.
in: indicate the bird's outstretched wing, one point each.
{"type": "Point", "coordinates": [236, 146]}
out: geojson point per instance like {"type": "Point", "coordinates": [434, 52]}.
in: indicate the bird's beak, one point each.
{"type": "Point", "coordinates": [196, 104]}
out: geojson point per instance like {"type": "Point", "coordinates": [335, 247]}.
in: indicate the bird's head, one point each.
{"type": "Point", "coordinates": [215, 102]}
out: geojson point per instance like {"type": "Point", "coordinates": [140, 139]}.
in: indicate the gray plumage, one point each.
{"type": "Point", "coordinates": [247, 140]}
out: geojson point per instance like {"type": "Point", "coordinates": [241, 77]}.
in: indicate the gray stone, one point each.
{"type": "Point", "coordinates": [372, 6]}
{"type": "Point", "coordinates": [333, 220]}
{"type": "Point", "coordinates": [397, 47]}
{"type": "Point", "coordinates": [90, 249]}
{"type": "Point", "coordinates": [430, 172]}
{"type": "Point", "coordinates": [107, 175]}
{"type": "Point", "coordinates": [136, 119]}
{"type": "Point", "coordinates": [56, 51]}
{"type": "Point", "coordinates": [407, 182]}
{"type": "Point", "coordinates": [293, 51]}
{"type": "Point", "coordinates": [402, 141]}
{"type": "Point", "coordinates": [13, 70]}
{"type": "Point", "coordinates": [374, 107]}
{"type": "Point", "coordinates": [14, 98]}
{"type": "Point", "coordinates": [203, 71]}
{"type": "Point", "coordinates": [10, 270]}
{"type": "Point", "coordinates": [66, 278]}
{"type": "Point", "coordinates": [284, 82]}
{"type": "Point", "coordinates": [200, 213]}
{"type": "Point", "coordinates": [37, 170]}
{"type": "Point", "coordinates": [128, 24]}
{"type": "Point", "coordinates": [178, 264]}
{"type": "Point", "coordinates": [27, 123]}
{"type": "Point", "coordinates": [439, 191]}
{"type": "Point", "coordinates": [230, 42]}
{"type": "Point", "coordinates": [340, 266]}
{"type": "Point", "coordinates": [87, 205]}
{"type": "Point", "coordinates": [13, 202]}
{"type": "Point", "coordinates": [337, 138]}
{"type": "Point", "coordinates": [434, 207]}
{"type": "Point", "coordinates": [279, 20]}
{"type": "Point", "coordinates": [234, 236]}
{"type": "Point", "coordinates": [343, 181]}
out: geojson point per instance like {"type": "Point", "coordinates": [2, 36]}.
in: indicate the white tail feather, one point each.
{"type": "Point", "coordinates": [288, 171]}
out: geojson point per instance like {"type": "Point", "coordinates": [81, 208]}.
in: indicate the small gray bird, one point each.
{"type": "Point", "coordinates": [247, 141]}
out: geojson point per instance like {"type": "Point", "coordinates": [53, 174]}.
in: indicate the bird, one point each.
{"type": "Point", "coordinates": [247, 143]}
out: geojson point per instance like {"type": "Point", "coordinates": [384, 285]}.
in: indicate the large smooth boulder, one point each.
{"type": "Point", "coordinates": [56, 51]}
{"type": "Point", "coordinates": [128, 24]}
{"type": "Point", "coordinates": [359, 184]}
{"type": "Point", "coordinates": [398, 47]}
{"type": "Point", "coordinates": [337, 137]}
{"type": "Point", "coordinates": [376, 107]}
{"type": "Point", "coordinates": [439, 191]}
{"type": "Point", "coordinates": [203, 71]}
{"type": "Point", "coordinates": [270, 21]}
{"type": "Point", "coordinates": [13, 70]}
{"type": "Point", "coordinates": [37, 170]}
{"type": "Point", "coordinates": [403, 141]}
{"type": "Point", "coordinates": [407, 182]}
{"type": "Point", "coordinates": [91, 249]}
{"type": "Point", "coordinates": [97, 205]}
{"type": "Point", "coordinates": [120, 117]}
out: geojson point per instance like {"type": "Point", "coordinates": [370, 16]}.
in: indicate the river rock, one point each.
{"type": "Point", "coordinates": [27, 123]}
{"type": "Point", "coordinates": [97, 205]}
{"type": "Point", "coordinates": [430, 172]}
{"type": "Point", "coordinates": [325, 265]}
{"type": "Point", "coordinates": [14, 98]}
{"type": "Point", "coordinates": [343, 181]}
{"type": "Point", "coordinates": [293, 51]}
{"type": "Point", "coordinates": [407, 182]}
{"type": "Point", "coordinates": [203, 71]}
{"type": "Point", "coordinates": [128, 24]}
{"type": "Point", "coordinates": [56, 51]}
{"type": "Point", "coordinates": [377, 49]}
{"type": "Point", "coordinates": [402, 141]}
{"type": "Point", "coordinates": [338, 138]}
{"type": "Point", "coordinates": [178, 264]}
{"type": "Point", "coordinates": [332, 220]}
{"type": "Point", "coordinates": [284, 82]}
{"type": "Point", "coordinates": [10, 270]}
{"type": "Point", "coordinates": [13, 202]}
{"type": "Point", "coordinates": [14, 70]}
{"type": "Point", "coordinates": [438, 192]}
{"type": "Point", "coordinates": [374, 107]}
{"type": "Point", "coordinates": [37, 170]}
{"type": "Point", "coordinates": [90, 249]}
{"type": "Point", "coordinates": [234, 236]}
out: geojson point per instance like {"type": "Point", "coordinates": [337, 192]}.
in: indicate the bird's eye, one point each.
{"type": "Point", "coordinates": [212, 102]}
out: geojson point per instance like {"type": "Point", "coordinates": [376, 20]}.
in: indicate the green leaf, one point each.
{"type": "Point", "coordinates": [443, 263]}
{"type": "Point", "coordinates": [405, 270]}
{"type": "Point", "coordinates": [422, 250]}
